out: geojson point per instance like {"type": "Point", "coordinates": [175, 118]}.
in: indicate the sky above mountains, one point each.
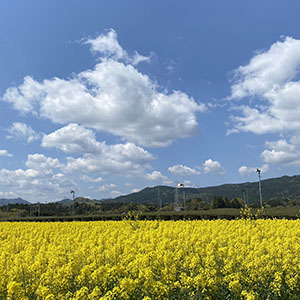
{"type": "Point", "coordinates": [108, 97]}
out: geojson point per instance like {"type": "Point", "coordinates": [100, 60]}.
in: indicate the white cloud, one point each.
{"type": "Point", "coordinates": [87, 178]}
{"type": "Point", "coordinates": [8, 195]}
{"type": "Point", "coordinates": [211, 166]}
{"type": "Point", "coordinates": [268, 69]}
{"type": "Point", "coordinates": [125, 159]}
{"type": "Point", "coordinates": [5, 153]}
{"type": "Point", "coordinates": [157, 176]}
{"type": "Point", "coordinates": [25, 97]}
{"type": "Point", "coordinates": [111, 188]}
{"type": "Point", "coordinates": [22, 131]}
{"type": "Point", "coordinates": [245, 171]}
{"type": "Point", "coordinates": [72, 138]}
{"type": "Point", "coordinates": [107, 187]}
{"type": "Point", "coordinates": [282, 152]}
{"type": "Point", "coordinates": [41, 163]}
{"type": "Point", "coordinates": [40, 180]}
{"type": "Point", "coordinates": [115, 193]}
{"type": "Point", "coordinates": [107, 45]}
{"type": "Point", "coordinates": [113, 97]}
{"type": "Point", "coordinates": [255, 121]}
{"type": "Point", "coordinates": [270, 79]}
{"type": "Point", "coordinates": [137, 58]}
{"type": "Point", "coordinates": [183, 170]}
{"type": "Point", "coordinates": [188, 184]}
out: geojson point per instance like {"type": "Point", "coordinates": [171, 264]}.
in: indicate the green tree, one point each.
{"type": "Point", "coordinates": [220, 202]}
{"type": "Point", "coordinates": [236, 203]}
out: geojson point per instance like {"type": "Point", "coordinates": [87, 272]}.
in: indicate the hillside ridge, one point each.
{"type": "Point", "coordinates": [273, 189]}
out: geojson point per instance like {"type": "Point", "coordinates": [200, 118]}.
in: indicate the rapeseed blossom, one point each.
{"type": "Point", "coordinates": [240, 259]}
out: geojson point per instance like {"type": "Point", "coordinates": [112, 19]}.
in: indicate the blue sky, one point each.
{"type": "Point", "coordinates": [108, 97]}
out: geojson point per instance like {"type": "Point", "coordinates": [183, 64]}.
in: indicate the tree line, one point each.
{"type": "Point", "coordinates": [84, 207]}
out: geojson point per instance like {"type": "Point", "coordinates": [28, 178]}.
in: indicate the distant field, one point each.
{"type": "Point", "coordinates": [143, 260]}
{"type": "Point", "coordinates": [219, 213]}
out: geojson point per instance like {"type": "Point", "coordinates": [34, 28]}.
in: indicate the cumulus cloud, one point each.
{"type": "Point", "coordinates": [157, 176]}
{"type": "Point", "coordinates": [41, 178]}
{"type": "Point", "coordinates": [72, 138]}
{"type": "Point", "coordinates": [282, 152]}
{"type": "Point", "coordinates": [113, 97]}
{"type": "Point", "coordinates": [211, 166]}
{"type": "Point", "coordinates": [5, 153]}
{"type": "Point", "coordinates": [87, 178]}
{"type": "Point", "coordinates": [41, 162]}
{"type": "Point", "coordinates": [22, 131]}
{"type": "Point", "coordinates": [25, 97]}
{"type": "Point", "coordinates": [255, 121]}
{"type": "Point", "coordinates": [268, 69]}
{"type": "Point", "coordinates": [125, 159]}
{"type": "Point", "coordinates": [107, 163]}
{"type": "Point", "coordinates": [183, 170]}
{"type": "Point", "coordinates": [245, 171]}
{"type": "Point", "coordinates": [34, 184]}
{"type": "Point", "coordinates": [107, 187]}
{"type": "Point", "coordinates": [270, 79]}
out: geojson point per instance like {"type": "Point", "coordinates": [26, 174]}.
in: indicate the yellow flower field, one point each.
{"type": "Point", "coordinates": [240, 259]}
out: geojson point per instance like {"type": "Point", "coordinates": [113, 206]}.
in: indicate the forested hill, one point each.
{"type": "Point", "coordinates": [274, 191]}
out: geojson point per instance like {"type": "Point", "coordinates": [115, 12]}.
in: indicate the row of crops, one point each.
{"type": "Point", "coordinates": [221, 259]}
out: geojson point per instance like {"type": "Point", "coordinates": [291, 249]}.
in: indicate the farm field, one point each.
{"type": "Point", "coordinates": [220, 259]}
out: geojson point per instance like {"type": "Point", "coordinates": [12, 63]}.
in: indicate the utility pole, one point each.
{"type": "Point", "coordinates": [73, 204]}
{"type": "Point", "coordinates": [259, 186]}
{"type": "Point", "coordinates": [159, 203]}
{"type": "Point", "coordinates": [176, 205]}
{"type": "Point", "coordinates": [181, 185]}
{"type": "Point", "coordinates": [244, 196]}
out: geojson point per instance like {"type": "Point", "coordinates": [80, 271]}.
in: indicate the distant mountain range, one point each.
{"type": "Point", "coordinates": [274, 190]}
{"type": "Point", "coordinates": [285, 188]}
{"type": "Point", "coordinates": [4, 201]}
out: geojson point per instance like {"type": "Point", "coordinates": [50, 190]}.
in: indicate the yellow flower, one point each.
{"type": "Point", "coordinates": [149, 259]}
